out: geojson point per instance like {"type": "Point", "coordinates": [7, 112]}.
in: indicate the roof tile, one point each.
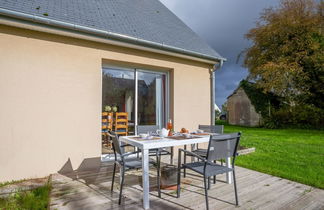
{"type": "Point", "coordinates": [144, 19]}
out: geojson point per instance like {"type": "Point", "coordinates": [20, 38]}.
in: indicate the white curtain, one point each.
{"type": "Point", "coordinates": [129, 104]}
{"type": "Point", "coordinates": [159, 101]}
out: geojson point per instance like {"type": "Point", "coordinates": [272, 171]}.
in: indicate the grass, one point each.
{"type": "Point", "coordinates": [2, 184]}
{"type": "Point", "coordinates": [293, 154]}
{"type": "Point", "coordinates": [34, 199]}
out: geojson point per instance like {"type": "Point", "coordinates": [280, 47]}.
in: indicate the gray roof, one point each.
{"type": "Point", "coordinates": [147, 20]}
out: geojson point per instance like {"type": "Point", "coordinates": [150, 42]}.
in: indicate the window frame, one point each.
{"type": "Point", "coordinates": [136, 70]}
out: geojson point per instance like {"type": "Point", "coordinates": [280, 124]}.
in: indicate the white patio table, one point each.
{"type": "Point", "coordinates": [145, 145]}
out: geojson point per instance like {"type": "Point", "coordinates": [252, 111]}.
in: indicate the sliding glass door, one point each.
{"type": "Point", "coordinates": [118, 91]}
{"type": "Point", "coordinates": [151, 98]}
{"type": "Point", "coordinates": [140, 93]}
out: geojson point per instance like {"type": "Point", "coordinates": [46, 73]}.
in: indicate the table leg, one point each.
{"type": "Point", "coordinates": [145, 179]}
{"type": "Point", "coordinates": [229, 174]}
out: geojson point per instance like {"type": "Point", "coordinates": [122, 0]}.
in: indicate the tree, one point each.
{"type": "Point", "coordinates": [224, 107]}
{"type": "Point", "coordinates": [286, 57]}
{"type": "Point", "coordinates": [217, 114]}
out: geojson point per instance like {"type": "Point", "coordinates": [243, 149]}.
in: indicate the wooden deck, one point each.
{"type": "Point", "coordinates": [90, 189]}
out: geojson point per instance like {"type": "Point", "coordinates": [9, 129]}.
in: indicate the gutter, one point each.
{"type": "Point", "coordinates": [108, 37]}
{"type": "Point", "coordinates": [212, 91]}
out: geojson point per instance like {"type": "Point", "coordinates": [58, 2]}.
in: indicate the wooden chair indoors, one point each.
{"type": "Point", "coordinates": [121, 123]}
{"type": "Point", "coordinates": [106, 125]}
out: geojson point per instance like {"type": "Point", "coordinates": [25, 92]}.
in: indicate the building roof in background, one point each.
{"type": "Point", "coordinates": [260, 100]}
{"type": "Point", "coordinates": [138, 20]}
{"type": "Point", "coordinates": [217, 108]}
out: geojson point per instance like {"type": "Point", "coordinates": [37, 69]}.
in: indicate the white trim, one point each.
{"type": "Point", "coordinates": [161, 72]}
{"type": "Point", "coordinates": [167, 99]}
{"type": "Point", "coordinates": [108, 66]}
{"type": "Point", "coordinates": [136, 102]}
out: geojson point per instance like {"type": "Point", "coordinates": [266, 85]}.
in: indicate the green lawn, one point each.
{"type": "Point", "coordinates": [293, 154]}
{"type": "Point", "coordinates": [36, 199]}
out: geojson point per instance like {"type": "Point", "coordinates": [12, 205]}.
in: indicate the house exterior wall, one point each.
{"type": "Point", "coordinates": [50, 91]}
{"type": "Point", "coordinates": [241, 111]}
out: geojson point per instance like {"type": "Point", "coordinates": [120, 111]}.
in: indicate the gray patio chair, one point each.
{"type": "Point", "coordinates": [219, 147]}
{"type": "Point", "coordinates": [219, 129]}
{"type": "Point", "coordinates": [128, 164]}
{"type": "Point", "coordinates": [152, 152]}
{"type": "Point", "coordinates": [212, 128]}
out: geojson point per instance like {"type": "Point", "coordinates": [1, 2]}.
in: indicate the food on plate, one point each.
{"type": "Point", "coordinates": [183, 130]}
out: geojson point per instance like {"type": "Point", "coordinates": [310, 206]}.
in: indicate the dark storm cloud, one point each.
{"type": "Point", "coordinates": [222, 24]}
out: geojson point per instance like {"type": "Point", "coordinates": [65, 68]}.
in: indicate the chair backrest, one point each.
{"type": "Point", "coordinates": [121, 123]}
{"type": "Point", "coordinates": [223, 146]}
{"type": "Point", "coordinates": [116, 143]}
{"type": "Point", "coordinates": [212, 128]}
{"type": "Point", "coordinates": [147, 128]}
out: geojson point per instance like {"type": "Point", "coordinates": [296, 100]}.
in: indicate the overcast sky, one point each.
{"type": "Point", "coordinates": [222, 24]}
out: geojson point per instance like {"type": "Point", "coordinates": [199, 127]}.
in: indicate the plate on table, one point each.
{"type": "Point", "coordinates": [146, 138]}
{"type": "Point", "coordinates": [200, 134]}
{"type": "Point", "coordinates": [182, 137]}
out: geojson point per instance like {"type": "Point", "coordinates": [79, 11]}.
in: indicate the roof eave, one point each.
{"type": "Point", "coordinates": [109, 35]}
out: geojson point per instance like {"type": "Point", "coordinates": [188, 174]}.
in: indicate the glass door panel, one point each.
{"type": "Point", "coordinates": [118, 90]}
{"type": "Point", "coordinates": [151, 98]}
{"type": "Point", "coordinates": [140, 93]}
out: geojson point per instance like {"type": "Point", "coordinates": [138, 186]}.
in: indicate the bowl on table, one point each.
{"type": "Point", "coordinates": [200, 131]}
{"type": "Point", "coordinates": [143, 135]}
{"type": "Point", "coordinates": [186, 135]}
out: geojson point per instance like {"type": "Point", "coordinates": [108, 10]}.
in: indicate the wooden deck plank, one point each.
{"type": "Point", "coordinates": [256, 191]}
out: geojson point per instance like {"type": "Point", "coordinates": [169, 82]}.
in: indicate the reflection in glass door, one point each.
{"type": "Point", "coordinates": [151, 98]}
{"type": "Point", "coordinates": [140, 93]}
{"type": "Point", "coordinates": [118, 90]}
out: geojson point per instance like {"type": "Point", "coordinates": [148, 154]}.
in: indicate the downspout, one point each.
{"type": "Point", "coordinates": [212, 91]}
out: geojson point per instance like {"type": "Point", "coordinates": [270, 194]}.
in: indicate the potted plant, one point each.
{"type": "Point", "coordinates": [107, 108]}
{"type": "Point", "coordinates": [114, 108]}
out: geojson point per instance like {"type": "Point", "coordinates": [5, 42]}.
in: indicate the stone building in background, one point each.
{"type": "Point", "coordinates": [248, 105]}
{"type": "Point", "coordinates": [241, 111]}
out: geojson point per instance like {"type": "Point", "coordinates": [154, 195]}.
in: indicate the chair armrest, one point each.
{"type": "Point", "coordinates": [129, 153]}
{"type": "Point", "coordinates": [126, 145]}
{"type": "Point", "coordinates": [193, 154]}
{"type": "Point", "coordinates": [163, 150]}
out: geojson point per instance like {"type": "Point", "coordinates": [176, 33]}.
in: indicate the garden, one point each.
{"type": "Point", "coordinates": [294, 154]}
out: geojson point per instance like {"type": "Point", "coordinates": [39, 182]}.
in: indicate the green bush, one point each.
{"type": "Point", "coordinates": [301, 116]}
{"type": "Point", "coordinates": [221, 122]}
{"type": "Point", "coordinates": [271, 123]}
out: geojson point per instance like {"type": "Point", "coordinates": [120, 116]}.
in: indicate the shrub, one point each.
{"type": "Point", "coordinates": [300, 116]}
